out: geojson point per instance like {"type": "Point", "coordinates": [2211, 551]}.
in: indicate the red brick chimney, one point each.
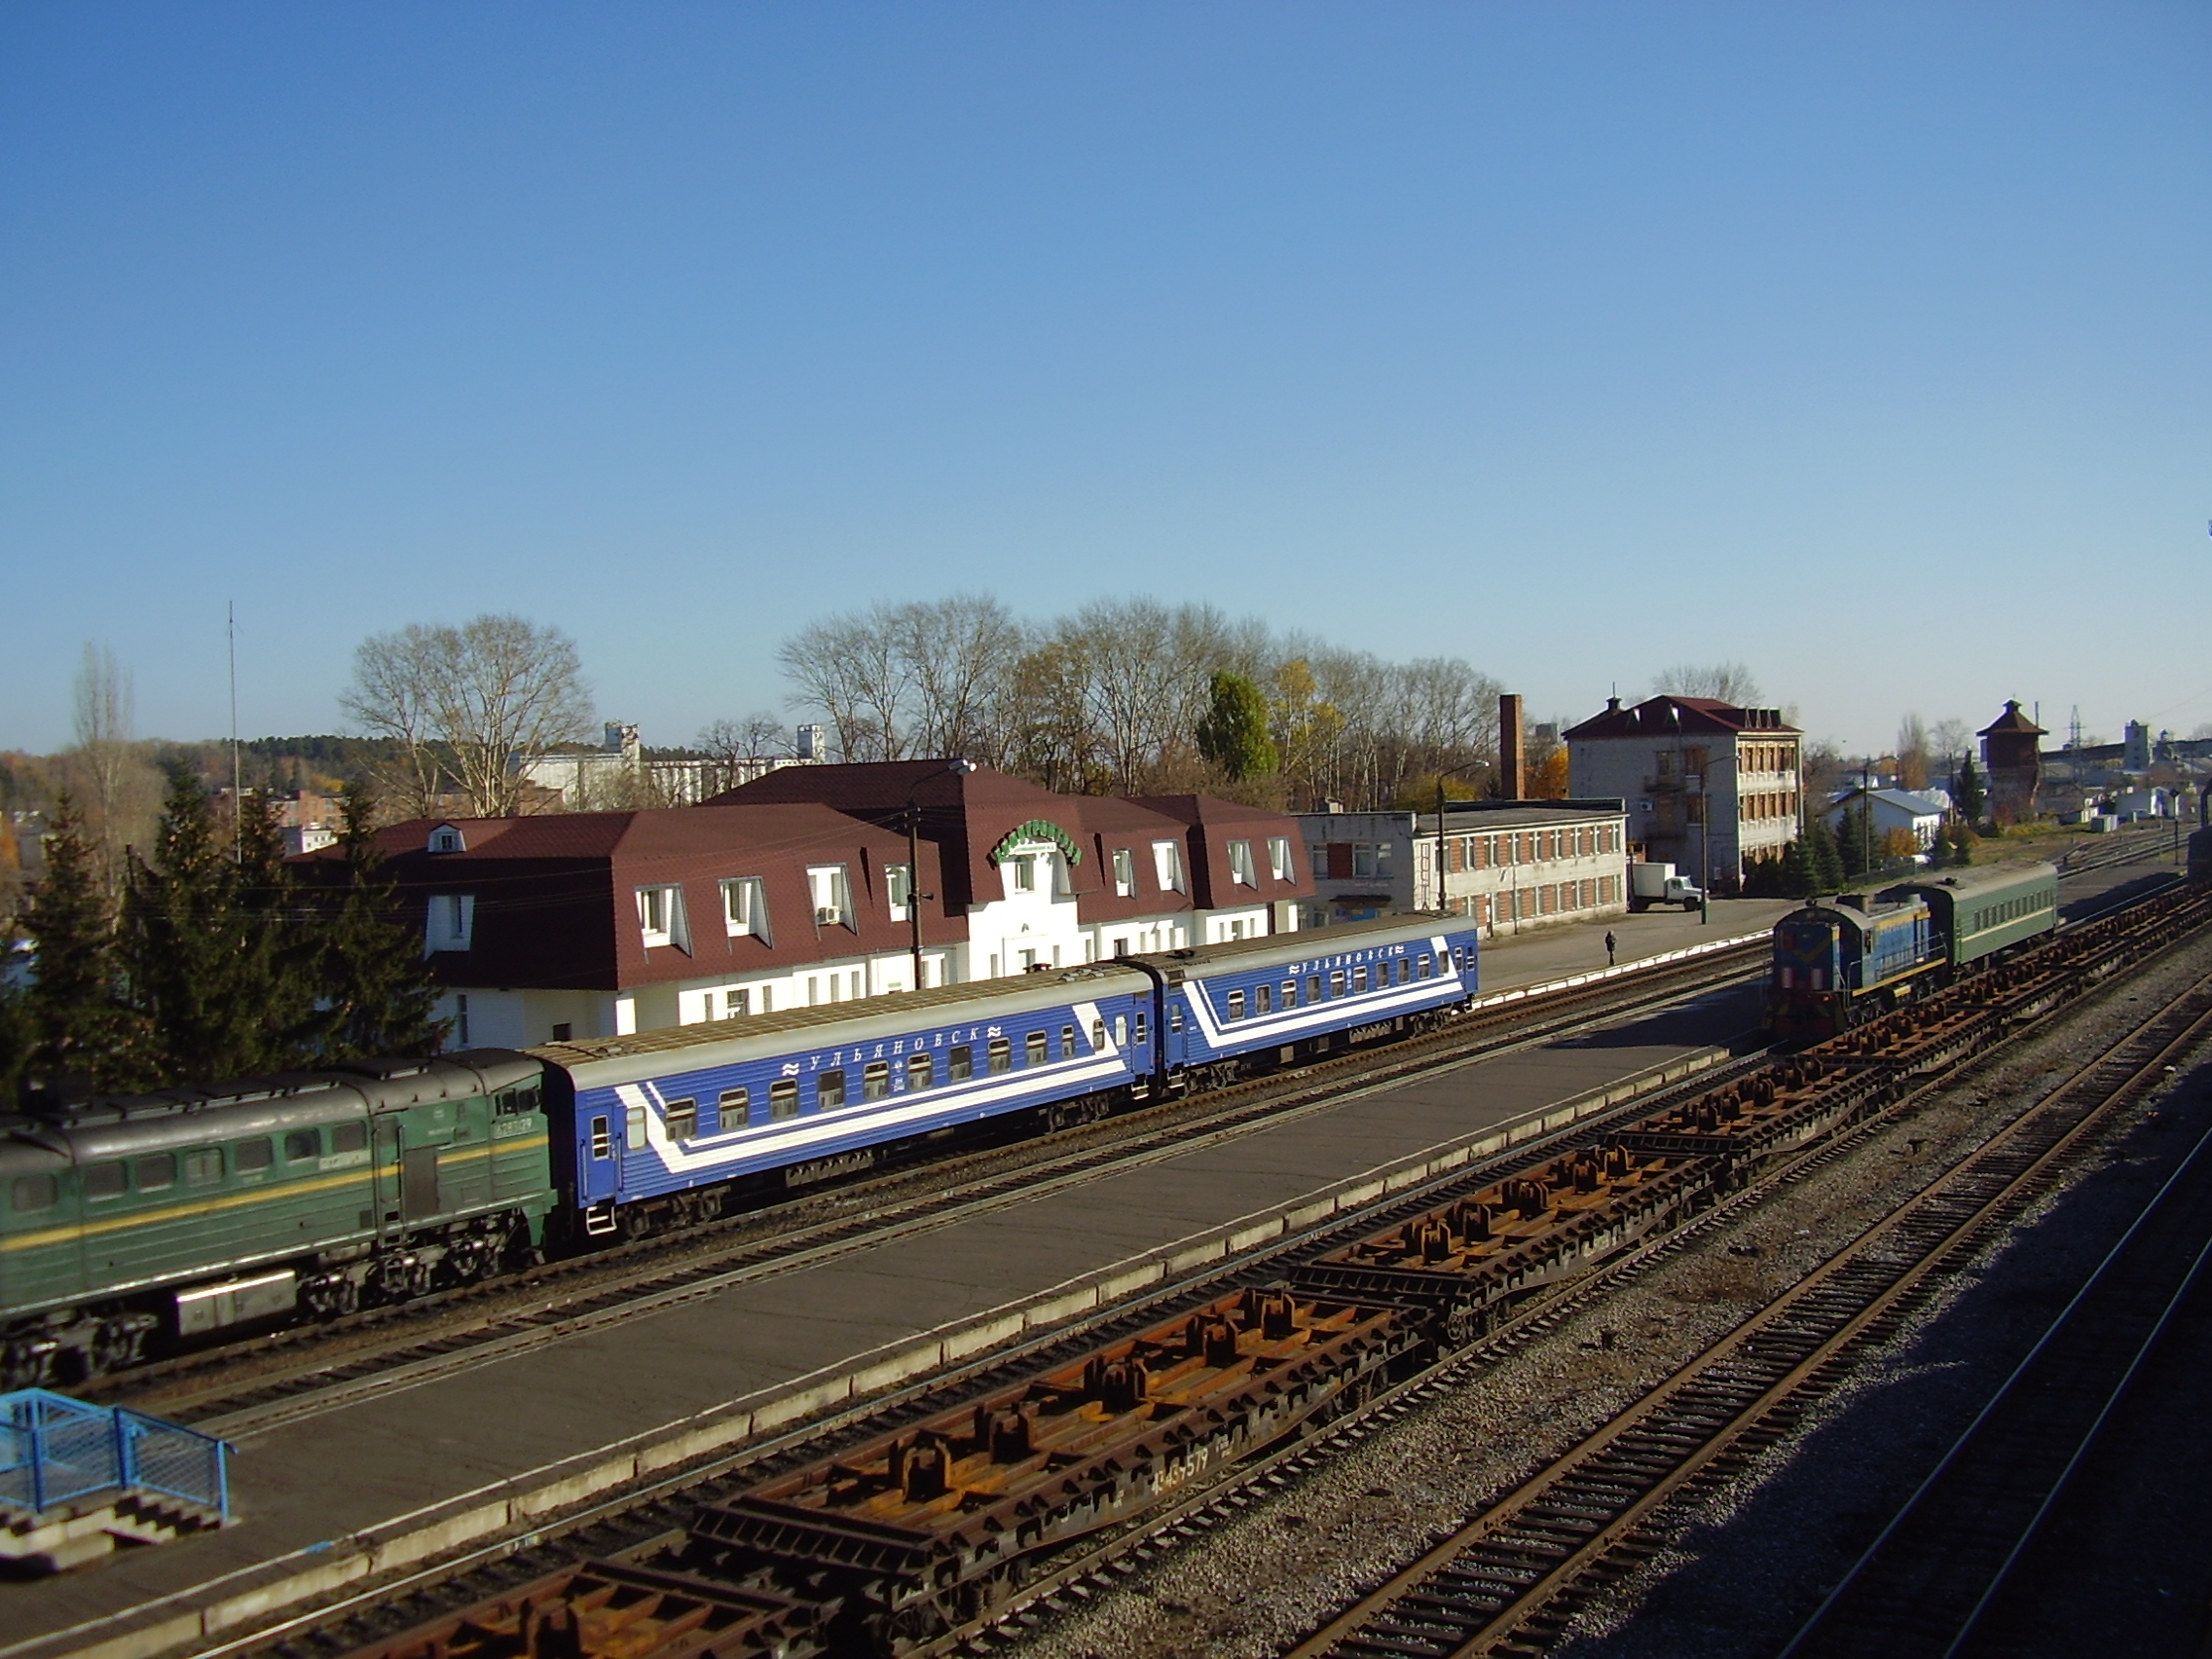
{"type": "Point", "coordinates": [1512, 748]}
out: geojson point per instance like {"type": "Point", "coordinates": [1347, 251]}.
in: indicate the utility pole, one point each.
{"type": "Point", "coordinates": [238, 771]}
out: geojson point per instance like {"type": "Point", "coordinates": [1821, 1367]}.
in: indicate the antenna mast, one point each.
{"type": "Point", "coordinates": [238, 794]}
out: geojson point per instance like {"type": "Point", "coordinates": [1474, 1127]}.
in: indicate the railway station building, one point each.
{"type": "Point", "coordinates": [1707, 784]}
{"type": "Point", "coordinates": [1508, 864]}
{"type": "Point", "coordinates": [812, 885]}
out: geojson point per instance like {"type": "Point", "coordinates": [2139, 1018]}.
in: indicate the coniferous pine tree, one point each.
{"type": "Point", "coordinates": [208, 947]}
{"type": "Point", "coordinates": [377, 991]}
{"type": "Point", "coordinates": [1826, 863]}
{"type": "Point", "coordinates": [1798, 868]}
{"type": "Point", "coordinates": [72, 1019]}
{"type": "Point", "coordinates": [1973, 798]}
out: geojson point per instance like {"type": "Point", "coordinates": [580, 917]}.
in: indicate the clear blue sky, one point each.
{"type": "Point", "coordinates": [1867, 343]}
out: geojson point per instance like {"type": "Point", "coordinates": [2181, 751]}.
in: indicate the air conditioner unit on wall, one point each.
{"type": "Point", "coordinates": [829, 915]}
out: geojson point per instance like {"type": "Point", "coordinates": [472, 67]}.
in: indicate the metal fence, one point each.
{"type": "Point", "coordinates": [53, 1449]}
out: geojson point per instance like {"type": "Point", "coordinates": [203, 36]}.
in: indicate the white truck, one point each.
{"type": "Point", "coordinates": [1650, 884]}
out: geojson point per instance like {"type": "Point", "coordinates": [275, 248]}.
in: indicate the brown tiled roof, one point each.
{"type": "Point", "coordinates": [2012, 721]}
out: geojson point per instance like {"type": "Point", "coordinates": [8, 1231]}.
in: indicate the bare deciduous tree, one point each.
{"type": "Point", "coordinates": [469, 701]}
{"type": "Point", "coordinates": [118, 788]}
{"type": "Point", "coordinates": [1729, 683]}
{"type": "Point", "coordinates": [1912, 752]}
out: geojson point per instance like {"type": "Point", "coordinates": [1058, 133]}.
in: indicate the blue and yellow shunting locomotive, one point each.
{"type": "Point", "coordinates": [132, 1224]}
{"type": "Point", "coordinates": [1839, 962]}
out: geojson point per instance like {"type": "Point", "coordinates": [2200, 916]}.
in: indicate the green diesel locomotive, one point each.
{"type": "Point", "coordinates": [319, 1190]}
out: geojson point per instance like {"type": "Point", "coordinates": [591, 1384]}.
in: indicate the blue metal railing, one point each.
{"type": "Point", "coordinates": [53, 1449]}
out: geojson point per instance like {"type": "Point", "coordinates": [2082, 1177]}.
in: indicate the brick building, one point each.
{"type": "Point", "coordinates": [1707, 783]}
{"type": "Point", "coordinates": [1508, 864]}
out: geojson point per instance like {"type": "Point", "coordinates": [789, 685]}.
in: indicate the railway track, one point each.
{"type": "Point", "coordinates": [1508, 1580]}
{"type": "Point", "coordinates": [479, 1324]}
{"type": "Point", "coordinates": [1928, 1582]}
{"type": "Point", "coordinates": [649, 1530]}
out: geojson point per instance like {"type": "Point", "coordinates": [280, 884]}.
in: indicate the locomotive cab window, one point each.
{"type": "Point", "coordinates": [27, 1195]}
{"type": "Point", "coordinates": [682, 1119]}
{"type": "Point", "coordinates": [105, 1180]}
{"type": "Point", "coordinates": [254, 1156]}
{"type": "Point", "coordinates": [302, 1144]}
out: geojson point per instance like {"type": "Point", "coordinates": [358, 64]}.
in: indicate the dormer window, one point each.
{"type": "Point", "coordinates": [446, 838]}
{"type": "Point", "coordinates": [1242, 870]}
{"type": "Point", "coordinates": [661, 919]}
{"type": "Point", "coordinates": [832, 892]}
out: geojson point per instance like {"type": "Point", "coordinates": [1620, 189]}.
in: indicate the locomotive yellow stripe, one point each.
{"type": "Point", "coordinates": [357, 1176]}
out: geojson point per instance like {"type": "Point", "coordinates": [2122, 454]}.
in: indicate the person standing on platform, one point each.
{"type": "Point", "coordinates": [1612, 943]}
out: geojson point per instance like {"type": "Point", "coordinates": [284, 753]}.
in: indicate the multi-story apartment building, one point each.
{"type": "Point", "coordinates": [803, 888]}
{"type": "Point", "coordinates": [1708, 785]}
{"type": "Point", "coordinates": [1508, 864]}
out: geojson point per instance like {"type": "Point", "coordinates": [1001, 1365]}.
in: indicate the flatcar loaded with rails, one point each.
{"type": "Point", "coordinates": [146, 1223]}
{"type": "Point", "coordinates": [1839, 962]}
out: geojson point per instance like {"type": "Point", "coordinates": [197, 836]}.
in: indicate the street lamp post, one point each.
{"type": "Point", "coordinates": [1443, 902]}
{"type": "Point", "coordinates": [914, 895]}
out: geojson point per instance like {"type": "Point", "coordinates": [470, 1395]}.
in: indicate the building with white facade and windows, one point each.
{"type": "Point", "coordinates": [1886, 810]}
{"type": "Point", "coordinates": [1508, 864]}
{"type": "Point", "coordinates": [1708, 785]}
{"type": "Point", "coordinates": [796, 890]}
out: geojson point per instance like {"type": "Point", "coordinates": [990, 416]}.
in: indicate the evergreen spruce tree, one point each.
{"type": "Point", "coordinates": [71, 1018]}
{"type": "Point", "coordinates": [1854, 836]}
{"type": "Point", "coordinates": [1233, 733]}
{"type": "Point", "coordinates": [1961, 844]}
{"type": "Point", "coordinates": [378, 992]}
{"type": "Point", "coordinates": [1797, 869]}
{"type": "Point", "coordinates": [210, 947]}
{"type": "Point", "coordinates": [1826, 863]}
{"type": "Point", "coordinates": [1973, 798]}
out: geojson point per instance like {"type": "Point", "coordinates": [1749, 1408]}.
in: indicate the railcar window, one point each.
{"type": "Point", "coordinates": [30, 1193]}
{"type": "Point", "coordinates": [1427, 968]}
{"type": "Point", "coordinates": [875, 1081]}
{"type": "Point", "coordinates": [1144, 1032]}
{"type": "Point", "coordinates": [1336, 985]}
{"type": "Point", "coordinates": [1264, 999]}
{"type": "Point", "coordinates": [682, 1120]}
{"type": "Point", "coordinates": [105, 1180]}
{"type": "Point", "coordinates": [602, 1141]}
{"type": "Point", "coordinates": [1001, 1054]}
{"type": "Point", "coordinates": [830, 1092]}
{"type": "Point", "coordinates": [255, 1154]}
{"type": "Point", "coordinates": [204, 1167]}
{"type": "Point", "coordinates": [634, 1128]}
{"type": "Point", "coordinates": [1067, 1041]}
{"type": "Point", "coordinates": [1175, 1017]}
{"type": "Point", "coordinates": [960, 1064]}
{"type": "Point", "coordinates": [783, 1100]}
{"type": "Point", "coordinates": [1236, 1005]}
{"type": "Point", "coordinates": [1035, 1043]}
{"type": "Point", "coordinates": [1404, 969]}
{"type": "Point", "coordinates": [921, 1071]}
{"type": "Point", "coordinates": [350, 1137]}
{"type": "Point", "coordinates": [1097, 1036]}
{"type": "Point", "coordinates": [302, 1143]}
{"type": "Point", "coordinates": [1290, 993]}
{"type": "Point", "coordinates": [1121, 1029]}
{"type": "Point", "coordinates": [736, 1107]}
{"type": "Point", "coordinates": [1359, 979]}
{"type": "Point", "coordinates": [157, 1172]}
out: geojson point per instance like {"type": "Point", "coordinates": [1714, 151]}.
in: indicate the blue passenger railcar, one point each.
{"type": "Point", "coordinates": [1293, 995]}
{"type": "Point", "coordinates": [664, 1126]}
{"type": "Point", "coordinates": [1837, 964]}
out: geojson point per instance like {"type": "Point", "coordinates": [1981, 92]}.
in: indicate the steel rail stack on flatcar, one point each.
{"type": "Point", "coordinates": [882, 1549]}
